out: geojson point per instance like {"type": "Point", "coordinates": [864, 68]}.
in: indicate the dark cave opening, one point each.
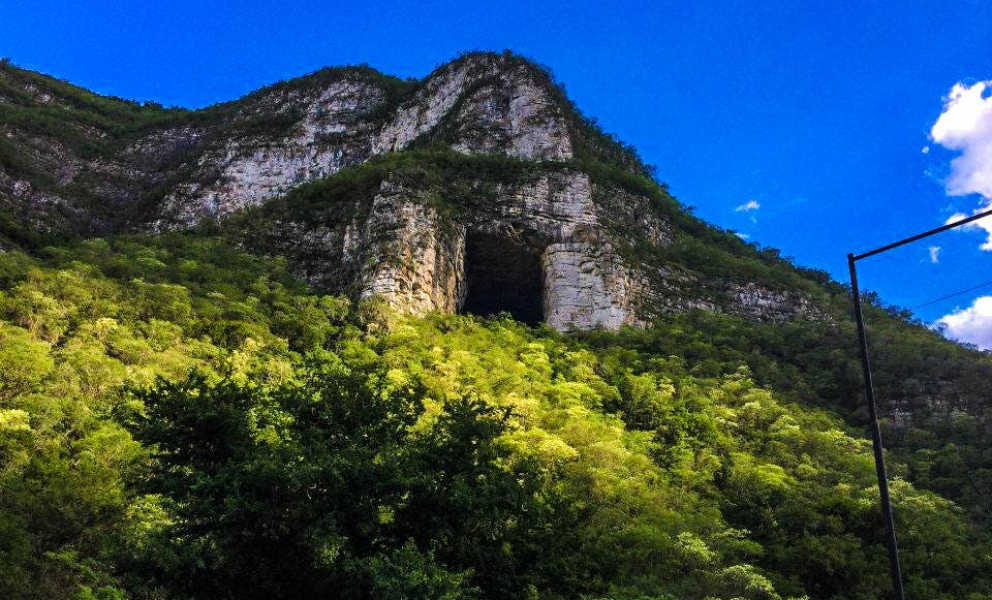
{"type": "Point", "coordinates": [503, 275]}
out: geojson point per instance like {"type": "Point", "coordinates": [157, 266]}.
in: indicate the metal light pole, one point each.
{"type": "Point", "coordinates": [876, 433]}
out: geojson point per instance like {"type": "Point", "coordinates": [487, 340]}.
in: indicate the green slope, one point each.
{"type": "Point", "coordinates": [181, 420]}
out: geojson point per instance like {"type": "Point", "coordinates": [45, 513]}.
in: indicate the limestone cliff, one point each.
{"type": "Point", "coordinates": [545, 216]}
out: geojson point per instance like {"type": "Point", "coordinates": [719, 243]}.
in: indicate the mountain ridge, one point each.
{"type": "Point", "coordinates": [246, 117]}
{"type": "Point", "coordinates": [209, 164]}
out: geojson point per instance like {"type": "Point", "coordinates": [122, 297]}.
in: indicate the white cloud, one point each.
{"type": "Point", "coordinates": [972, 324]}
{"type": "Point", "coordinates": [934, 254]}
{"type": "Point", "coordinates": [965, 126]}
{"type": "Point", "coordinates": [748, 206]}
{"type": "Point", "coordinates": [743, 236]}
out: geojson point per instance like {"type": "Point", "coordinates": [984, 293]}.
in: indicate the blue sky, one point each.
{"type": "Point", "coordinates": [814, 114]}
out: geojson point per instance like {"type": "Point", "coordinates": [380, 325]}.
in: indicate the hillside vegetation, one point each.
{"type": "Point", "coordinates": [181, 420]}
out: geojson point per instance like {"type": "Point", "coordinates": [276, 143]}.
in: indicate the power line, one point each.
{"type": "Point", "coordinates": [958, 293]}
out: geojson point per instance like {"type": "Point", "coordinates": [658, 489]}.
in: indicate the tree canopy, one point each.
{"type": "Point", "coordinates": [179, 419]}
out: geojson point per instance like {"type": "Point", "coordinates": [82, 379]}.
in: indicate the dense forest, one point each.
{"type": "Point", "coordinates": [180, 419]}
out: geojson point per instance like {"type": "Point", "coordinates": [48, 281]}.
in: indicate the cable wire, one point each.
{"type": "Point", "coordinates": [958, 293]}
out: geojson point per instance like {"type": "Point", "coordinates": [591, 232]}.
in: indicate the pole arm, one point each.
{"type": "Point", "coordinates": [920, 236]}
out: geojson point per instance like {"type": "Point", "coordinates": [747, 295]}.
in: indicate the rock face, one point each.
{"type": "Point", "coordinates": [585, 287]}
{"type": "Point", "coordinates": [539, 245]}
{"type": "Point", "coordinates": [556, 241]}
{"type": "Point", "coordinates": [488, 104]}
{"type": "Point", "coordinates": [411, 262]}
{"type": "Point", "coordinates": [545, 248]}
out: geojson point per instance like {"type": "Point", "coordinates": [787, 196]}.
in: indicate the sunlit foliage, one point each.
{"type": "Point", "coordinates": [181, 420]}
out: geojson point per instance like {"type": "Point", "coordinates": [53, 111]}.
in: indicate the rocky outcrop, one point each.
{"type": "Point", "coordinates": [757, 302]}
{"type": "Point", "coordinates": [587, 288]}
{"type": "Point", "coordinates": [487, 104]}
{"type": "Point", "coordinates": [583, 284]}
{"type": "Point", "coordinates": [412, 260]}
{"type": "Point", "coordinates": [545, 244]}
{"type": "Point", "coordinates": [225, 158]}
{"type": "Point", "coordinates": [317, 133]}
{"type": "Point", "coordinates": [484, 105]}
{"type": "Point", "coordinates": [543, 248]}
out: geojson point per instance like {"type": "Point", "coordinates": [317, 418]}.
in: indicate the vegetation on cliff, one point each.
{"type": "Point", "coordinates": [455, 183]}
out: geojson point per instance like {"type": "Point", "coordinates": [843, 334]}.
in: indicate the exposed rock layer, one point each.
{"type": "Point", "coordinates": [399, 243]}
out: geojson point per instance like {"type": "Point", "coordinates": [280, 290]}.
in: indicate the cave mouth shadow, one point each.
{"type": "Point", "coordinates": [503, 274]}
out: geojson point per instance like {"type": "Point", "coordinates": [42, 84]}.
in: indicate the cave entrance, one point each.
{"type": "Point", "coordinates": [503, 275]}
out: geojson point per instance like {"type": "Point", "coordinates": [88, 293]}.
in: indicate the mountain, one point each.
{"type": "Point", "coordinates": [483, 158]}
{"type": "Point", "coordinates": [358, 336]}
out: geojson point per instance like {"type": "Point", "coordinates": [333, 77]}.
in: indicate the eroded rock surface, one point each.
{"type": "Point", "coordinates": [547, 244]}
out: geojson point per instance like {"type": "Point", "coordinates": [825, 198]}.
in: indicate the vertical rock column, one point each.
{"type": "Point", "coordinates": [584, 288]}
{"type": "Point", "coordinates": [413, 261]}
